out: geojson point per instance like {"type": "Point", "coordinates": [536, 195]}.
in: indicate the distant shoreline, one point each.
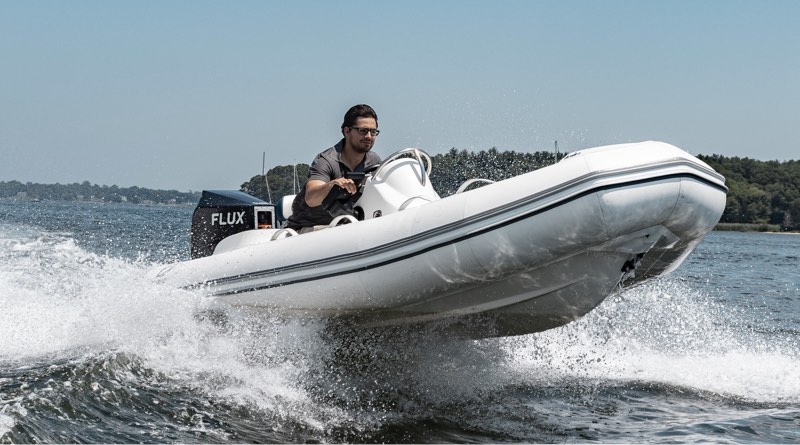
{"type": "Point", "coordinates": [88, 192]}
{"type": "Point", "coordinates": [753, 228]}
{"type": "Point", "coordinates": [101, 202]}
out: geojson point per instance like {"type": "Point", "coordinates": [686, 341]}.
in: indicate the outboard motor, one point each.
{"type": "Point", "coordinates": [222, 213]}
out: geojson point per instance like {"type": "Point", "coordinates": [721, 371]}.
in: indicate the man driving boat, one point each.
{"type": "Point", "coordinates": [352, 154]}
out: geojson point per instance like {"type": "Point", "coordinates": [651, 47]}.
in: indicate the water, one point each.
{"type": "Point", "coordinates": [90, 351]}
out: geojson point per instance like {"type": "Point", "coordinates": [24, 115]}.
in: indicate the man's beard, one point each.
{"type": "Point", "coordinates": [361, 148]}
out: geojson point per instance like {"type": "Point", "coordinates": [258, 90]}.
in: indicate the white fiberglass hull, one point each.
{"type": "Point", "coordinates": [522, 255]}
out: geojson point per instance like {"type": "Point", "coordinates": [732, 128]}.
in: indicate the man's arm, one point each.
{"type": "Point", "coordinates": [317, 190]}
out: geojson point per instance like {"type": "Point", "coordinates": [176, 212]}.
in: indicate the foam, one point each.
{"type": "Point", "coordinates": [665, 332]}
{"type": "Point", "coordinates": [54, 296]}
{"type": "Point", "coordinates": [6, 423]}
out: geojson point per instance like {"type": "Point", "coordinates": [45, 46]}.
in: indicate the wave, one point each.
{"type": "Point", "coordinates": [63, 306]}
{"type": "Point", "coordinates": [667, 332]}
{"type": "Point", "coordinates": [55, 296]}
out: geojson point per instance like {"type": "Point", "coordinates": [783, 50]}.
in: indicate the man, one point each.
{"type": "Point", "coordinates": [352, 154]}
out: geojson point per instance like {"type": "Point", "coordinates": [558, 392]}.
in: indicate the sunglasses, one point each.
{"type": "Point", "coordinates": [364, 131]}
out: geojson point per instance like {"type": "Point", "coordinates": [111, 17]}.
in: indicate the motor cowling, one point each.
{"type": "Point", "coordinates": [222, 213]}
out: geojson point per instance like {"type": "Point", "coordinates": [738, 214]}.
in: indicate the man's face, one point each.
{"type": "Point", "coordinates": [361, 143]}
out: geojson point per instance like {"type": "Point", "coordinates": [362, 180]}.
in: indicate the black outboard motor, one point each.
{"type": "Point", "coordinates": [222, 213]}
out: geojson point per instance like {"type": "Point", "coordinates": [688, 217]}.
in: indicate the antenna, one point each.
{"type": "Point", "coordinates": [556, 146]}
{"type": "Point", "coordinates": [266, 181]}
{"type": "Point", "coordinates": [294, 181]}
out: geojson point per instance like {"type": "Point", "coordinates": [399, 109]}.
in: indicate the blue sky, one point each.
{"type": "Point", "coordinates": [188, 94]}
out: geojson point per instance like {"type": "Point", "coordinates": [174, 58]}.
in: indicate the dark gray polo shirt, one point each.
{"type": "Point", "coordinates": [327, 166]}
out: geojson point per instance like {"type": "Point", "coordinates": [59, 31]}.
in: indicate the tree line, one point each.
{"type": "Point", "coordinates": [765, 193]}
{"type": "Point", "coordinates": [449, 171]}
{"type": "Point", "coordinates": [760, 192]}
{"type": "Point", "coordinates": [86, 191]}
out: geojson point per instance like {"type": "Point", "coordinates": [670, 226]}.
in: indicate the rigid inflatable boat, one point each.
{"type": "Point", "coordinates": [522, 255]}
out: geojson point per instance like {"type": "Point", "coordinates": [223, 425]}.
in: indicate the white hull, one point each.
{"type": "Point", "coordinates": [523, 255]}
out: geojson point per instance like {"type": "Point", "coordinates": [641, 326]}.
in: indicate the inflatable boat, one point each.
{"type": "Point", "coordinates": [512, 257]}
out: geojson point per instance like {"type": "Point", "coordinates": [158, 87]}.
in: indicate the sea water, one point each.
{"type": "Point", "coordinates": [91, 351]}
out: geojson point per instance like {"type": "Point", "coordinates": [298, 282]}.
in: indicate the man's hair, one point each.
{"type": "Point", "coordinates": [357, 111]}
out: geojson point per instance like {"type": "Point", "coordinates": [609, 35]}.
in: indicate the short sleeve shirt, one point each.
{"type": "Point", "coordinates": [327, 166]}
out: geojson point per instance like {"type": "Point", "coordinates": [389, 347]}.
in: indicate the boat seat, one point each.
{"type": "Point", "coordinates": [285, 207]}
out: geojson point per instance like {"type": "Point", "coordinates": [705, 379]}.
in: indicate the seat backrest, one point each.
{"type": "Point", "coordinates": [284, 207]}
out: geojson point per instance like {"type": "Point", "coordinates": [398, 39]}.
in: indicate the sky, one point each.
{"type": "Point", "coordinates": [188, 95]}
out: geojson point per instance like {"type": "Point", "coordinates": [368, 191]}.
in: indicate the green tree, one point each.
{"type": "Point", "coordinates": [284, 180]}
{"type": "Point", "coordinates": [760, 192]}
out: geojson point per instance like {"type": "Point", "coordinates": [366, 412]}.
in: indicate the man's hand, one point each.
{"type": "Point", "coordinates": [316, 190]}
{"type": "Point", "coordinates": [346, 184]}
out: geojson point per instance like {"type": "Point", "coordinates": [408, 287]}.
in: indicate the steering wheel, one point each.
{"type": "Point", "coordinates": [418, 154]}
